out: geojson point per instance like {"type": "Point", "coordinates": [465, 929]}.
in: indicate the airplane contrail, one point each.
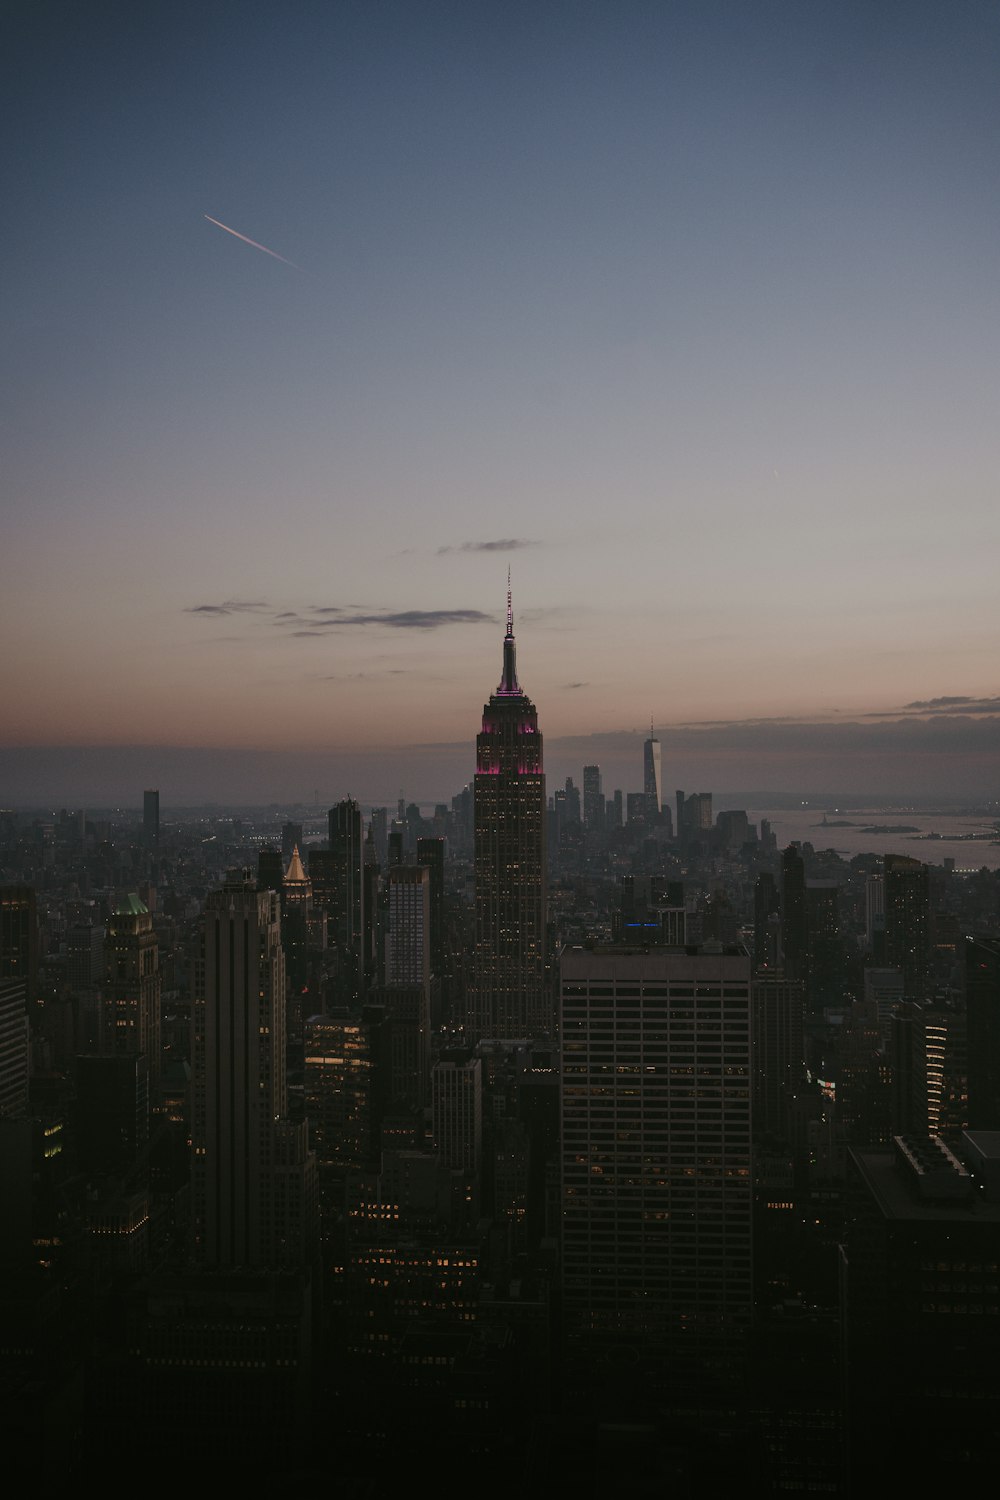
{"type": "Point", "coordinates": [254, 243]}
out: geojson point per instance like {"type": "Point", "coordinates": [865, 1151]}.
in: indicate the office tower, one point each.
{"type": "Point", "coordinates": [636, 808]}
{"type": "Point", "coordinates": [112, 1112]}
{"type": "Point", "coordinates": [778, 1051]}
{"type": "Point", "coordinates": [652, 783]}
{"type": "Point", "coordinates": [338, 877]}
{"type": "Point", "coordinates": [907, 921]}
{"type": "Point", "coordinates": [656, 1143]}
{"type": "Point", "coordinates": [245, 1212]}
{"type": "Point", "coordinates": [457, 1111]}
{"type": "Point", "coordinates": [13, 1049]}
{"type": "Point", "coordinates": [734, 828]}
{"type": "Point", "coordinates": [875, 917]}
{"type": "Point", "coordinates": [766, 921]}
{"type": "Point", "coordinates": [270, 870]}
{"type": "Point", "coordinates": [929, 1069]}
{"type": "Point", "coordinates": [296, 919]}
{"type": "Point", "coordinates": [508, 995]}
{"type": "Point", "coordinates": [151, 819]}
{"type": "Point", "coordinates": [406, 1050]}
{"type": "Point", "coordinates": [347, 845]}
{"type": "Point", "coordinates": [982, 1009]}
{"type": "Point", "coordinates": [698, 812]}
{"type": "Point", "coordinates": [918, 1273]}
{"type": "Point", "coordinates": [341, 1062]}
{"type": "Point", "coordinates": [430, 853]}
{"type": "Point", "coordinates": [291, 838]}
{"type": "Point", "coordinates": [19, 937]}
{"type": "Point", "coordinates": [793, 913]}
{"type": "Point", "coordinates": [379, 827]}
{"type": "Point", "coordinates": [593, 799]}
{"type": "Point", "coordinates": [407, 944]}
{"type": "Point", "coordinates": [132, 986]}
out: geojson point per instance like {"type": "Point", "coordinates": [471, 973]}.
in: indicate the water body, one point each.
{"type": "Point", "coordinates": [951, 834]}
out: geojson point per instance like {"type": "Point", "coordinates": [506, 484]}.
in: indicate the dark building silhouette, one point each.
{"type": "Point", "coordinates": [19, 937]}
{"type": "Point", "coordinates": [508, 993]}
{"type": "Point", "coordinates": [766, 921]}
{"type": "Point", "coordinates": [919, 1312]}
{"type": "Point", "coordinates": [253, 1183]}
{"type": "Point", "coordinates": [151, 819]}
{"type": "Point", "coordinates": [132, 986]}
{"type": "Point", "coordinates": [778, 1051]}
{"type": "Point", "coordinates": [982, 1008]}
{"type": "Point", "coordinates": [656, 1150]}
{"type": "Point", "coordinates": [907, 921]}
{"type": "Point", "coordinates": [430, 852]}
{"type": "Point", "coordinates": [793, 913]}
{"type": "Point", "coordinates": [652, 775]}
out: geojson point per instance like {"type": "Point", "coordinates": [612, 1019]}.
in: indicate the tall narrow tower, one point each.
{"type": "Point", "coordinates": [509, 997]}
{"type": "Point", "coordinates": [253, 1180]}
{"type": "Point", "coordinates": [652, 784]}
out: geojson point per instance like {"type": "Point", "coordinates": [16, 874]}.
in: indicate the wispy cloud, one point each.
{"type": "Point", "coordinates": [953, 705]}
{"type": "Point", "coordinates": [406, 619]}
{"type": "Point", "coordinates": [229, 607]}
{"type": "Point", "coordinates": [502, 544]}
{"type": "Point", "coordinates": [570, 685]}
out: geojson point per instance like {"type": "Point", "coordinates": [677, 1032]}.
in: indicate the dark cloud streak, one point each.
{"type": "Point", "coordinates": [503, 544]}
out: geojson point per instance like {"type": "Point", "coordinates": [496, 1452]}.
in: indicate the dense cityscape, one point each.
{"type": "Point", "coordinates": [455, 1036]}
{"type": "Point", "coordinates": [564, 1138]}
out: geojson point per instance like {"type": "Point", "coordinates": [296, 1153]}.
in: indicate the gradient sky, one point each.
{"type": "Point", "coordinates": [688, 312]}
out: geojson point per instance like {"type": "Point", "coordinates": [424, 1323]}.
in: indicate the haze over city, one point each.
{"type": "Point", "coordinates": [319, 317]}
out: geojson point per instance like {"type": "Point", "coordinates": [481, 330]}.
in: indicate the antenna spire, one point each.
{"type": "Point", "coordinates": [509, 686]}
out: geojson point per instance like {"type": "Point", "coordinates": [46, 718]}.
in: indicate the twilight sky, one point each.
{"type": "Point", "coordinates": [688, 312]}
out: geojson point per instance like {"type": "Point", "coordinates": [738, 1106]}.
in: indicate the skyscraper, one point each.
{"type": "Point", "coordinates": [982, 1001]}
{"type": "Point", "coordinates": [151, 819]}
{"type": "Point", "coordinates": [593, 799]}
{"type": "Point", "coordinates": [656, 1147]}
{"type": "Point", "coordinates": [652, 784]}
{"type": "Point", "coordinates": [132, 985]}
{"type": "Point", "coordinates": [508, 996]}
{"type": "Point", "coordinates": [253, 1182]}
{"type": "Point", "coordinates": [338, 880]}
{"type": "Point", "coordinates": [408, 940]}
{"type": "Point", "coordinates": [907, 920]}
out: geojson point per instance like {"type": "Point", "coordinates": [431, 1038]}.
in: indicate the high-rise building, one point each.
{"type": "Point", "coordinates": [19, 937]}
{"type": "Point", "coordinates": [652, 781]}
{"type": "Point", "coordinates": [508, 994]}
{"type": "Point", "coordinates": [253, 1182]}
{"type": "Point", "coordinates": [430, 853]}
{"type": "Point", "coordinates": [778, 1050]}
{"type": "Point", "coordinates": [907, 920]}
{"type": "Point", "coordinates": [132, 986]}
{"type": "Point", "coordinates": [457, 1111]}
{"type": "Point", "coordinates": [982, 1008]}
{"type": "Point", "coordinates": [793, 912]}
{"type": "Point", "coordinates": [13, 1049]}
{"type": "Point", "coordinates": [408, 939]}
{"type": "Point", "coordinates": [151, 819]}
{"type": "Point", "coordinates": [338, 879]}
{"type": "Point", "coordinates": [593, 799]}
{"type": "Point", "coordinates": [656, 1148]}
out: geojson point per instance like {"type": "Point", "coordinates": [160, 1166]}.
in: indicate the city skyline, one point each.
{"type": "Point", "coordinates": [685, 314]}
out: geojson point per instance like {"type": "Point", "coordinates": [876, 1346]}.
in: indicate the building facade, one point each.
{"type": "Point", "coordinates": [508, 993]}
{"type": "Point", "coordinates": [656, 1147]}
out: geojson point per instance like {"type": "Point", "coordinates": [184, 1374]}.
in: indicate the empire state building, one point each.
{"type": "Point", "coordinates": [509, 997]}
